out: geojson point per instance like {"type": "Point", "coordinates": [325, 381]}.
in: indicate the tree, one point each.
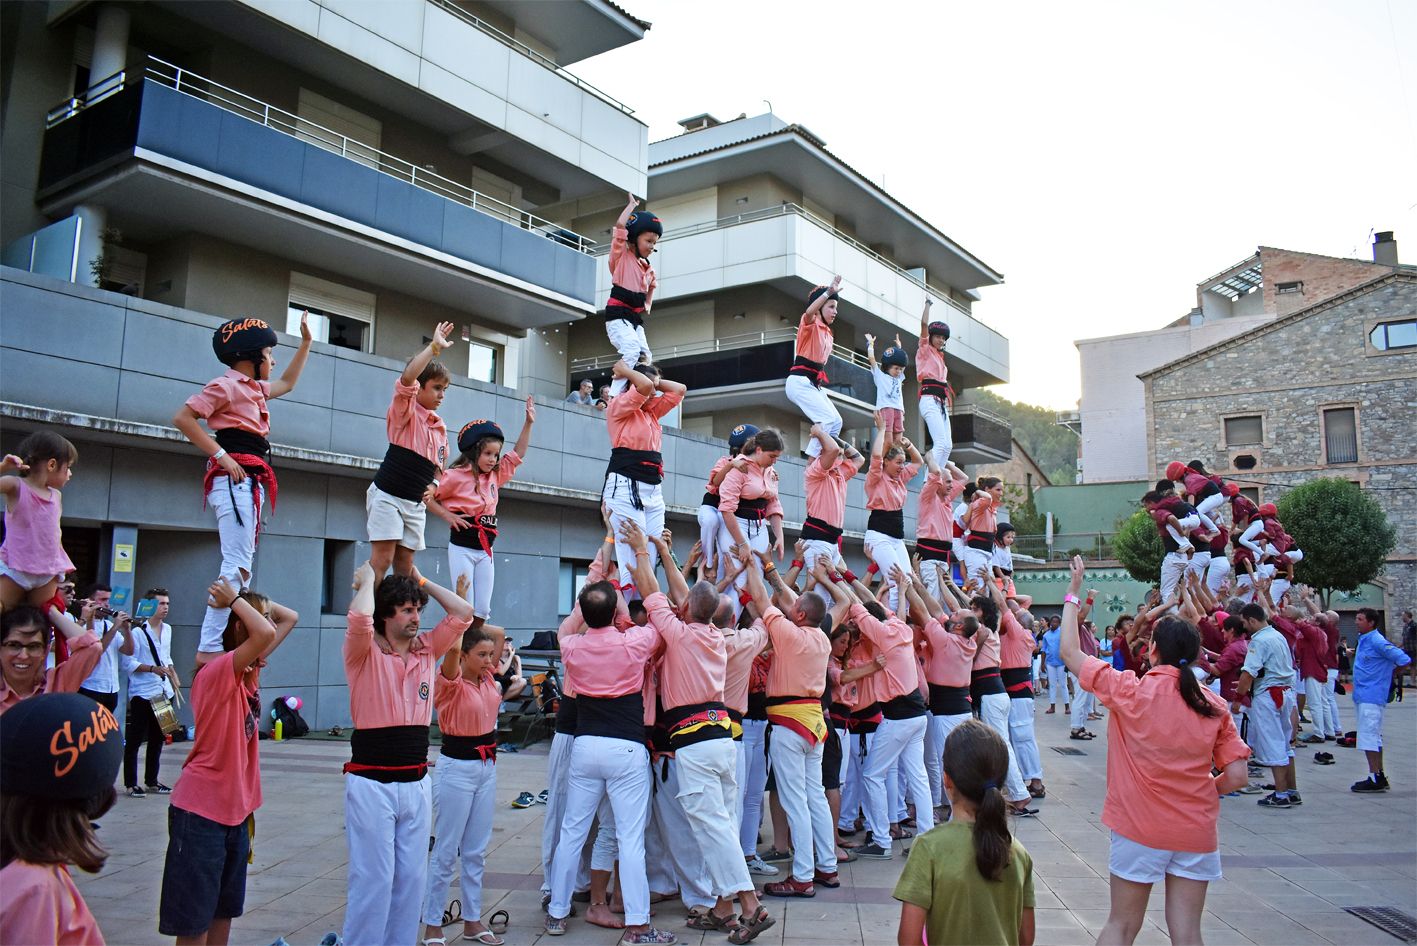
{"type": "Point", "coordinates": [1343, 532]}
{"type": "Point", "coordinates": [1138, 547]}
{"type": "Point", "coordinates": [1053, 448]}
{"type": "Point", "coordinates": [1023, 512]}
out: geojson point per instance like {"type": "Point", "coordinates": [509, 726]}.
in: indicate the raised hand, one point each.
{"type": "Point", "coordinates": [443, 335]}
{"type": "Point", "coordinates": [220, 594]}
{"type": "Point", "coordinates": [530, 410]}
{"type": "Point", "coordinates": [305, 335]}
{"type": "Point", "coordinates": [363, 575]}
{"type": "Point", "coordinates": [463, 585]}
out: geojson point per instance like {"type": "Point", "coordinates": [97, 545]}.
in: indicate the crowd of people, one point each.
{"type": "Point", "coordinates": [868, 710]}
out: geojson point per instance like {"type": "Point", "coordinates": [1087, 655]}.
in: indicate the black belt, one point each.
{"type": "Point", "coordinates": [1018, 682]}
{"type": "Point", "coordinates": [389, 753]}
{"type": "Point", "coordinates": [482, 747]}
{"type": "Point", "coordinates": [980, 543]}
{"type": "Point", "coordinates": [984, 682]}
{"type": "Point", "coordinates": [817, 530]}
{"type": "Point", "coordinates": [753, 510]}
{"type": "Point", "coordinates": [482, 535]}
{"type": "Point", "coordinates": [933, 550]}
{"type": "Point", "coordinates": [929, 387]}
{"type": "Point", "coordinates": [813, 371]}
{"type": "Point", "coordinates": [405, 474]}
{"type": "Point", "coordinates": [949, 701]}
{"type": "Point", "coordinates": [642, 466]}
{"type": "Point", "coordinates": [889, 522]}
{"type": "Point", "coordinates": [906, 706]}
{"type": "Point", "coordinates": [866, 719]}
{"type": "Point", "coordinates": [710, 499]}
{"type": "Point", "coordinates": [615, 717]}
{"type": "Point", "coordinates": [236, 440]}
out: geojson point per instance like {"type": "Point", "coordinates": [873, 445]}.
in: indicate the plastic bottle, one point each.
{"type": "Point", "coordinates": [278, 730]}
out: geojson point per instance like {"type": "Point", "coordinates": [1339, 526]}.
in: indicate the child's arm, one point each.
{"type": "Point", "coordinates": [524, 438]}
{"type": "Point", "coordinates": [1026, 932]}
{"type": "Point", "coordinates": [442, 339]}
{"type": "Point", "coordinates": [639, 382]}
{"type": "Point", "coordinates": [925, 322]}
{"type": "Point", "coordinates": [286, 384]}
{"type": "Point", "coordinates": [260, 634]}
{"type": "Point", "coordinates": [187, 421]}
{"type": "Point", "coordinates": [911, 931]}
{"type": "Point", "coordinates": [11, 468]}
{"type": "Point", "coordinates": [878, 442]}
{"type": "Point", "coordinates": [629, 209]}
{"type": "Point", "coordinates": [817, 303]}
{"type": "Point", "coordinates": [871, 351]}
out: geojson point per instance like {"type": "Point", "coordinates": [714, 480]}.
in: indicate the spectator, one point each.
{"type": "Point", "coordinates": [151, 675]}
{"type": "Point", "coordinates": [509, 671]}
{"type": "Point", "coordinates": [583, 394]}
{"type": "Point", "coordinates": [102, 685]}
{"type": "Point", "coordinates": [602, 400]}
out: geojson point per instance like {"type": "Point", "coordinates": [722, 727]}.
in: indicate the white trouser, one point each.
{"type": "Point", "coordinates": [813, 402]}
{"type": "Point", "coordinates": [798, 768]}
{"type": "Point", "coordinates": [659, 867]}
{"type": "Point", "coordinates": [481, 570]}
{"type": "Point", "coordinates": [897, 789]}
{"type": "Point", "coordinates": [994, 712]}
{"type": "Point", "coordinates": [236, 527]}
{"type": "Point", "coordinates": [819, 550]}
{"type": "Point", "coordinates": [940, 729]}
{"type": "Point", "coordinates": [1082, 704]}
{"type": "Point", "coordinates": [604, 850]}
{"type": "Point", "coordinates": [1173, 568]}
{"type": "Point", "coordinates": [897, 740]}
{"type": "Point", "coordinates": [618, 494]}
{"type": "Point", "coordinates": [755, 780]}
{"type": "Point", "coordinates": [707, 786]}
{"type": "Point", "coordinates": [1023, 739]}
{"type": "Point", "coordinates": [758, 534]}
{"type": "Point", "coordinates": [1200, 561]}
{"type": "Point", "coordinates": [1317, 707]}
{"type": "Point", "coordinates": [888, 552]}
{"type": "Point", "coordinates": [1247, 538]}
{"type": "Point", "coordinates": [386, 825]}
{"type": "Point", "coordinates": [937, 421]}
{"type": "Point", "coordinates": [1216, 572]}
{"type": "Point", "coordinates": [1331, 703]}
{"type": "Point", "coordinates": [602, 767]}
{"type": "Point", "coordinates": [934, 759]}
{"type": "Point", "coordinates": [1057, 685]}
{"type": "Point", "coordinates": [558, 766]}
{"type": "Point", "coordinates": [1206, 508]}
{"type": "Point", "coordinates": [465, 791]}
{"type": "Point", "coordinates": [629, 340]}
{"type": "Point", "coordinates": [853, 798]}
{"type": "Point", "coordinates": [931, 570]}
{"type": "Point", "coordinates": [976, 569]}
{"type": "Point", "coordinates": [710, 525]}
{"type": "Point", "coordinates": [842, 738]}
{"type": "Point", "coordinates": [679, 844]}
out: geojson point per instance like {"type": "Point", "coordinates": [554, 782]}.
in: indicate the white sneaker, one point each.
{"type": "Point", "coordinates": [756, 865]}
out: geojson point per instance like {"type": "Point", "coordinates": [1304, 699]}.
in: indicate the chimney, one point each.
{"type": "Point", "coordinates": [698, 123]}
{"type": "Point", "coordinates": [1385, 248]}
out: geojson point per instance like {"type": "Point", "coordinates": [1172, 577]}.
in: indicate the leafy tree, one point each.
{"type": "Point", "coordinates": [1023, 512]}
{"type": "Point", "coordinates": [1343, 531]}
{"type": "Point", "coordinates": [1053, 448]}
{"type": "Point", "coordinates": [1138, 547]}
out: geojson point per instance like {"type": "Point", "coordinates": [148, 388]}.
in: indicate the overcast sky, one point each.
{"type": "Point", "coordinates": [1105, 157]}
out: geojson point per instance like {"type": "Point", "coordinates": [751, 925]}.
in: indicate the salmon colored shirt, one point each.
{"type": "Point", "coordinates": [743, 645]}
{"type": "Point", "coordinates": [695, 663]}
{"type": "Point", "coordinates": [84, 654]}
{"type": "Point", "coordinates": [884, 491]}
{"type": "Point", "coordinates": [1015, 644]}
{"type": "Point", "coordinates": [1159, 757]}
{"type": "Point", "coordinates": [800, 656]}
{"type": "Point", "coordinates": [39, 903]}
{"type": "Point", "coordinates": [468, 492]}
{"type": "Point", "coordinates": [466, 707]}
{"type": "Point", "coordinates": [949, 657]}
{"type": "Point", "coordinates": [826, 489]}
{"type": "Point", "coordinates": [986, 644]}
{"type": "Point", "coordinates": [752, 482]}
{"type": "Point", "coordinates": [937, 496]}
{"type": "Point", "coordinates": [414, 427]}
{"type": "Point", "coordinates": [627, 270]}
{"type": "Point", "coordinates": [894, 638]}
{"type": "Point", "coordinates": [929, 361]}
{"type": "Point", "coordinates": [865, 692]}
{"type": "Point", "coordinates": [633, 418]}
{"type": "Point", "coordinates": [814, 338]}
{"type": "Point", "coordinates": [386, 689]}
{"type": "Point", "coordinates": [234, 400]}
{"type": "Point", "coordinates": [605, 662]}
{"type": "Point", "coordinates": [982, 517]}
{"type": "Point", "coordinates": [720, 464]}
{"type": "Point", "coordinates": [221, 779]}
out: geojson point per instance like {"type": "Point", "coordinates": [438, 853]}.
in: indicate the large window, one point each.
{"type": "Point", "coordinates": [340, 315]}
{"type": "Point", "coordinates": [573, 576]}
{"type": "Point", "coordinates": [1341, 435]}
{"type": "Point", "coordinates": [1394, 335]}
{"type": "Point", "coordinates": [482, 361]}
{"type": "Point", "coordinates": [1248, 429]}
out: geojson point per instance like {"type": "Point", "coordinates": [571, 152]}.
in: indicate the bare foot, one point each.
{"type": "Point", "coordinates": [600, 915]}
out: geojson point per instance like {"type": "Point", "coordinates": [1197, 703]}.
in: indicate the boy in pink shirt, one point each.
{"type": "Point", "coordinates": [826, 482]}
{"type": "Point", "coordinates": [238, 477]}
{"type": "Point", "coordinates": [632, 285]}
{"type": "Point", "coordinates": [936, 398]}
{"type": "Point", "coordinates": [981, 524]}
{"type": "Point", "coordinates": [887, 479]}
{"type": "Point", "coordinates": [809, 365]}
{"type": "Point", "coordinates": [934, 525]}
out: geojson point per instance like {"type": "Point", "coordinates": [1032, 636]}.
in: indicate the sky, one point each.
{"type": "Point", "coordinates": [1105, 157]}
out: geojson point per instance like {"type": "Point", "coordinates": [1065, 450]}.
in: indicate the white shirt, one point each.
{"type": "Point", "coordinates": [104, 678]}
{"type": "Point", "coordinates": [1003, 558]}
{"type": "Point", "coordinates": [889, 389]}
{"type": "Point", "coordinates": [149, 685]}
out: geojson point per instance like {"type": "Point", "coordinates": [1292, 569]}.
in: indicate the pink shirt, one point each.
{"type": "Point", "coordinates": [884, 491]}
{"type": "Point", "coordinates": [986, 643]}
{"type": "Point", "coordinates": [865, 687]}
{"type": "Point", "coordinates": [1159, 757]}
{"type": "Point", "coordinates": [39, 903]}
{"type": "Point", "coordinates": [695, 663]}
{"type": "Point", "coordinates": [949, 657]}
{"type": "Point", "coordinates": [826, 489]}
{"type": "Point", "coordinates": [1015, 644]}
{"type": "Point", "coordinates": [627, 270]}
{"type": "Point", "coordinates": [605, 662]}
{"type": "Point", "coordinates": [937, 496]}
{"type": "Point", "coordinates": [234, 400]}
{"type": "Point", "coordinates": [221, 779]}
{"type": "Point", "coordinates": [33, 535]}
{"type": "Point", "coordinates": [84, 654]}
{"type": "Point", "coordinates": [800, 656]}
{"type": "Point", "coordinates": [633, 418]}
{"type": "Point", "coordinates": [929, 361]}
{"type": "Point", "coordinates": [982, 516]}
{"type": "Point", "coordinates": [744, 645]}
{"type": "Point", "coordinates": [893, 638]}
{"type": "Point", "coordinates": [720, 464]}
{"type": "Point", "coordinates": [414, 427]}
{"type": "Point", "coordinates": [386, 689]}
{"type": "Point", "coordinates": [814, 339]}
{"type": "Point", "coordinates": [467, 708]}
{"type": "Point", "coordinates": [468, 492]}
{"type": "Point", "coordinates": [752, 482]}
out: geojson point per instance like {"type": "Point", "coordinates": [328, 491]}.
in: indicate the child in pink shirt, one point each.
{"type": "Point", "coordinates": [752, 513]}
{"type": "Point", "coordinates": [466, 498]}
{"type": "Point", "coordinates": [826, 482]}
{"type": "Point", "coordinates": [981, 525]}
{"type": "Point", "coordinates": [632, 285]}
{"type": "Point", "coordinates": [712, 537]}
{"type": "Point", "coordinates": [931, 373]}
{"type": "Point", "coordinates": [886, 481]}
{"type": "Point", "coordinates": [32, 558]}
{"type": "Point", "coordinates": [934, 526]}
{"type": "Point", "coordinates": [809, 365]}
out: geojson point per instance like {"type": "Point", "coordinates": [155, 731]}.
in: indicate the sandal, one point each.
{"type": "Point", "coordinates": [902, 834]}
{"type": "Point", "coordinates": [486, 938]}
{"type": "Point", "coordinates": [708, 920]}
{"type": "Point", "coordinates": [774, 854]}
{"type": "Point", "coordinates": [504, 922]}
{"type": "Point", "coordinates": [1038, 792]}
{"type": "Point", "coordinates": [749, 927]}
{"type": "Point", "coordinates": [453, 913]}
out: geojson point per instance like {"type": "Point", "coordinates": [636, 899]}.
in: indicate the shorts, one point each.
{"type": "Point", "coordinates": [1370, 726]}
{"type": "Point", "coordinates": [1271, 728]}
{"type": "Point", "coordinates": [1148, 865]}
{"type": "Point", "coordinates": [831, 760]}
{"type": "Point", "coordinates": [893, 418]}
{"type": "Point", "coordinates": [204, 878]}
{"type": "Point", "coordinates": [29, 581]}
{"type": "Point", "coordinates": [394, 519]}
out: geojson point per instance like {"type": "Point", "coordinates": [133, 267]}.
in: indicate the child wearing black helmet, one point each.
{"type": "Point", "coordinates": [890, 383]}
{"type": "Point", "coordinates": [931, 373]}
{"type": "Point", "coordinates": [238, 475]}
{"type": "Point", "coordinates": [632, 283]}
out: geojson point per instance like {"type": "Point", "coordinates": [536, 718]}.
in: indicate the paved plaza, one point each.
{"type": "Point", "coordinates": [1288, 874]}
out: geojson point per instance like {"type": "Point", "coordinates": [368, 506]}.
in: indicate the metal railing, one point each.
{"type": "Point", "coordinates": [711, 345]}
{"type": "Point", "coordinates": [1093, 546]}
{"type": "Point", "coordinates": [263, 113]}
{"type": "Point", "coordinates": [539, 58]}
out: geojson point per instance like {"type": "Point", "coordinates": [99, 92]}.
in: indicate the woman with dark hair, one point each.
{"type": "Point", "coordinates": [1165, 736]}
{"type": "Point", "coordinates": [752, 514]}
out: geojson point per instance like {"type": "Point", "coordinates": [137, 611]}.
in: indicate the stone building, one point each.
{"type": "Point", "coordinates": [1328, 390]}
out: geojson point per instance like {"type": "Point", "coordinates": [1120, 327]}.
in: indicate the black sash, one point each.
{"type": "Point", "coordinates": [814, 529]}
{"type": "Point", "coordinates": [757, 706]}
{"type": "Point", "coordinates": [933, 550]}
{"type": "Point", "coordinates": [710, 499]}
{"type": "Point", "coordinates": [615, 717]}
{"type": "Point", "coordinates": [753, 510]}
{"type": "Point", "coordinates": [482, 535]}
{"type": "Point", "coordinates": [236, 440]}
{"type": "Point", "coordinates": [642, 466]}
{"type": "Point", "coordinates": [405, 474]}
{"type": "Point", "coordinates": [949, 701]}
{"type": "Point", "coordinates": [678, 718]}
{"type": "Point", "coordinates": [1018, 682]}
{"type": "Point", "coordinates": [482, 747]}
{"type": "Point", "coordinates": [389, 753]}
{"type": "Point", "coordinates": [930, 387]}
{"type": "Point", "coordinates": [980, 543]}
{"type": "Point", "coordinates": [984, 682]}
{"type": "Point", "coordinates": [566, 716]}
{"type": "Point", "coordinates": [813, 371]}
{"type": "Point", "coordinates": [906, 706]}
{"type": "Point", "coordinates": [889, 522]}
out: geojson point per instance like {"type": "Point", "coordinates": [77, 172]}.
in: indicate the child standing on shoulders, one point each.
{"type": "Point", "coordinates": [466, 498]}
{"type": "Point", "coordinates": [238, 477]}
{"type": "Point", "coordinates": [890, 381]}
{"type": "Point", "coordinates": [968, 880]}
{"type": "Point", "coordinates": [32, 558]}
{"type": "Point", "coordinates": [936, 397]}
{"type": "Point", "coordinates": [632, 283]}
{"type": "Point", "coordinates": [809, 364]}
{"type": "Point", "coordinates": [417, 454]}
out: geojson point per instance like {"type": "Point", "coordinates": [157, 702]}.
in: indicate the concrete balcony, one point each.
{"type": "Point", "coordinates": [167, 152]}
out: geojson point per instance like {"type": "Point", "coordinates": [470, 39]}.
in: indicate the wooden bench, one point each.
{"type": "Point", "coordinates": [529, 710]}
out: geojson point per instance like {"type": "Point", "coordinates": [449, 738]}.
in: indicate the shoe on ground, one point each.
{"type": "Point", "coordinates": [790, 887]}
{"type": "Point", "coordinates": [1369, 785]}
{"type": "Point", "coordinates": [544, 797]}
{"type": "Point", "coordinates": [1312, 739]}
{"type": "Point", "coordinates": [1294, 799]}
{"type": "Point", "coordinates": [832, 880]}
{"type": "Point", "coordinates": [159, 789]}
{"type": "Point", "coordinates": [756, 865]}
{"type": "Point", "coordinates": [874, 850]}
{"type": "Point", "coordinates": [1273, 800]}
{"type": "Point", "coordinates": [774, 854]}
{"type": "Point", "coordinates": [524, 800]}
{"type": "Point", "coordinates": [649, 936]}
{"type": "Point", "coordinates": [1251, 789]}
{"type": "Point", "coordinates": [135, 791]}
{"type": "Point", "coordinates": [555, 926]}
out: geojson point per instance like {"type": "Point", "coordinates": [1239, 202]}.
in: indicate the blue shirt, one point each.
{"type": "Point", "coordinates": [1372, 667]}
{"type": "Point", "coordinates": [1051, 642]}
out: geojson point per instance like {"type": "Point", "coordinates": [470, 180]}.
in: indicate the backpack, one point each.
{"type": "Point", "coordinates": [292, 723]}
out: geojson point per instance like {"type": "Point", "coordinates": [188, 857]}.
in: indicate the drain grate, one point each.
{"type": "Point", "coordinates": [1068, 750]}
{"type": "Point", "coordinates": [1395, 922]}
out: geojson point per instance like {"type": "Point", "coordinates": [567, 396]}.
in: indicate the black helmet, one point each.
{"type": "Point", "coordinates": [739, 435]}
{"type": "Point", "coordinates": [894, 356]}
{"type": "Point", "coordinates": [473, 431]}
{"type": "Point", "coordinates": [817, 291]}
{"type": "Point", "coordinates": [939, 328]}
{"type": "Point", "coordinates": [642, 221]}
{"type": "Point", "coordinates": [242, 339]}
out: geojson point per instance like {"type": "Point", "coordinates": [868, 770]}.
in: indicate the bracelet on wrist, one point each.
{"type": "Point", "coordinates": [1071, 599]}
{"type": "Point", "coordinates": [220, 452]}
{"type": "Point", "coordinates": [798, 563]}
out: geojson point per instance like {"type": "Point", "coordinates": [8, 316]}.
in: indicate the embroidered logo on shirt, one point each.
{"type": "Point", "coordinates": [423, 691]}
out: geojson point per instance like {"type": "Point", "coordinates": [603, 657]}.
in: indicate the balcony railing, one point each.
{"type": "Point", "coordinates": [263, 113]}
{"type": "Point", "coordinates": [1092, 546]}
{"type": "Point", "coordinates": [709, 346]}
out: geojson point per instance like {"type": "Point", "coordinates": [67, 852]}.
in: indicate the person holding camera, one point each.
{"type": "Point", "coordinates": [151, 678]}
{"type": "Point", "coordinates": [116, 639]}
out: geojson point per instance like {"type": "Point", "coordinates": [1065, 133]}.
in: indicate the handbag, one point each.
{"type": "Point", "coordinates": [163, 709]}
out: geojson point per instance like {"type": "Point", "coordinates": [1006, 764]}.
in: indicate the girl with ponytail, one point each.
{"type": "Point", "coordinates": [968, 880]}
{"type": "Point", "coordinates": [1166, 734]}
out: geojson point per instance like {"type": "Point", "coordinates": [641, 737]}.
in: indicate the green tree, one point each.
{"type": "Point", "coordinates": [1343, 531]}
{"type": "Point", "coordinates": [1053, 448]}
{"type": "Point", "coordinates": [1138, 547]}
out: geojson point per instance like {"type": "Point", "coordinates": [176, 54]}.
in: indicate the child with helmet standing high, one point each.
{"type": "Point", "coordinates": [936, 398]}
{"type": "Point", "coordinates": [809, 363]}
{"type": "Point", "coordinates": [632, 283]}
{"type": "Point", "coordinates": [890, 384]}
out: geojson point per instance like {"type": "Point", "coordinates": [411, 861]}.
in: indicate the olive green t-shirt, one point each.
{"type": "Point", "coordinates": [963, 907]}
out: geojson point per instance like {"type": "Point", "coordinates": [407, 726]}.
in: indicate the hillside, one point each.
{"type": "Point", "coordinates": [1052, 447]}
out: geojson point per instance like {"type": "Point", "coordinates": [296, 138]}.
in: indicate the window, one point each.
{"type": "Point", "coordinates": [573, 576]}
{"type": "Point", "coordinates": [1341, 435]}
{"type": "Point", "coordinates": [482, 363]}
{"type": "Point", "coordinates": [1252, 493]}
{"type": "Point", "coordinates": [1394, 335]}
{"type": "Point", "coordinates": [335, 593]}
{"type": "Point", "coordinates": [339, 315]}
{"type": "Point", "coordinates": [1288, 287]}
{"type": "Point", "coordinates": [1244, 430]}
